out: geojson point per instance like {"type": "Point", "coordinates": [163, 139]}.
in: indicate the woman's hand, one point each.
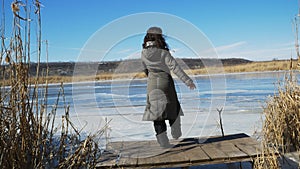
{"type": "Point", "coordinates": [192, 86]}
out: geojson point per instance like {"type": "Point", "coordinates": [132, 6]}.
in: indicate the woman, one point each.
{"type": "Point", "coordinates": [162, 101]}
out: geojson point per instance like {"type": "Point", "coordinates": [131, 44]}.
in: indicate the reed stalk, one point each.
{"type": "Point", "coordinates": [281, 128]}
{"type": "Point", "coordinates": [29, 133]}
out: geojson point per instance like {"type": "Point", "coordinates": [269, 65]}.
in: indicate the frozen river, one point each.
{"type": "Point", "coordinates": [122, 102]}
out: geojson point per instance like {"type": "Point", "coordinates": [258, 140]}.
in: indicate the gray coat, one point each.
{"type": "Point", "coordinates": [162, 101]}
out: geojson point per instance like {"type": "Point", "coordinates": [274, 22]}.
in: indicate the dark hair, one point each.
{"type": "Point", "coordinates": [159, 40]}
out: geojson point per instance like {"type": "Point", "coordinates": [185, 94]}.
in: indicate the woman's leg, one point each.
{"type": "Point", "coordinates": [175, 128]}
{"type": "Point", "coordinates": [161, 134]}
{"type": "Point", "coordinates": [160, 127]}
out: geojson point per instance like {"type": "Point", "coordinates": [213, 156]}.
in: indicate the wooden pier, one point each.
{"type": "Point", "coordinates": [185, 152]}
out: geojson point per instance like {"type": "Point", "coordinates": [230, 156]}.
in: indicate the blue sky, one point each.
{"type": "Point", "coordinates": [251, 29]}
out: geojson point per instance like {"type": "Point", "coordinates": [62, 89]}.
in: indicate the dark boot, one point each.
{"type": "Point", "coordinates": [176, 129]}
{"type": "Point", "coordinates": [163, 140]}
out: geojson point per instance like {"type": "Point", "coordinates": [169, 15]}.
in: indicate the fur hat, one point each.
{"type": "Point", "coordinates": [154, 30]}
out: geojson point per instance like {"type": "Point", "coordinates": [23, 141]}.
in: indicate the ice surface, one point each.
{"type": "Point", "coordinates": [122, 102]}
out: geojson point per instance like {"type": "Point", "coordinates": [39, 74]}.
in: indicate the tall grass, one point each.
{"type": "Point", "coordinates": [259, 66]}
{"type": "Point", "coordinates": [282, 123]}
{"type": "Point", "coordinates": [268, 159]}
{"type": "Point", "coordinates": [281, 129]}
{"type": "Point", "coordinates": [29, 134]}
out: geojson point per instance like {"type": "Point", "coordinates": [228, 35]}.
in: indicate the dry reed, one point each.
{"type": "Point", "coordinates": [29, 135]}
{"type": "Point", "coordinates": [282, 117]}
{"type": "Point", "coordinates": [249, 67]}
{"type": "Point", "coordinates": [267, 159]}
{"type": "Point", "coordinates": [281, 129]}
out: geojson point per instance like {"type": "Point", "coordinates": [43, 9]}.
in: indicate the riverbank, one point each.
{"type": "Point", "coordinates": [261, 66]}
{"type": "Point", "coordinates": [229, 66]}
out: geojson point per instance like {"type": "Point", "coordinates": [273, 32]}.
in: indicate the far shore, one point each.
{"type": "Point", "coordinates": [261, 66]}
{"type": "Point", "coordinates": [257, 66]}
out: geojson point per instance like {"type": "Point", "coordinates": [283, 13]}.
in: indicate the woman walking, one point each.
{"type": "Point", "coordinates": [162, 101]}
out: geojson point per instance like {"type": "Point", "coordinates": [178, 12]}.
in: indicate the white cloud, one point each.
{"type": "Point", "coordinates": [253, 51]}
{"type": "Point", "coordinates": [134, 55]}
{"type": "Point", "coordinates": [230, 46]}
{"type": "Point", "coordinates": [241, 49]}
{"type": "Point", "coordinates": [215, 52]}
{"type": "Point", "coordinates": [125, 51]}
{"type": "Point", "coordinates": [259, 53]}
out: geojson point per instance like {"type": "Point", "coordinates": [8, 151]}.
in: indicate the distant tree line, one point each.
{"type": "Point", "coordinates": [125, 66]}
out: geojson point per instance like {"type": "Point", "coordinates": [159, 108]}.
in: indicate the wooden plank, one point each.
{"type": "Point", "coordinates": [186, 152]}
{"type": "Point", "coordinates": [168, 158]}
{"type": "Point", "coordinates": [245, 140]}
{"type": "Point", "coordinates": [127, 161]}
{"type": "Point", "coordinates": [130, 149]}
{"type": "Point", "coordinates": [213, 152]}
{"type": "Point", "coordinates": [147, 153]}
{"type": "Point", "coordinates": [151, 150]}
{"type": "Point", "coordinates": [196, 154]}
{"type": "Point", "coordinates": [239, 147]}
{"type": "Point", "coordinates": [250, 150]}
{"type": "Point", "coordinates": [106, 164]}
{"type": "Point", "coordinates": [230, 138]}
{"type": "Point", "coordinates": [107, 159]}
{"type": "Point", "coordinates": [230, 150]}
